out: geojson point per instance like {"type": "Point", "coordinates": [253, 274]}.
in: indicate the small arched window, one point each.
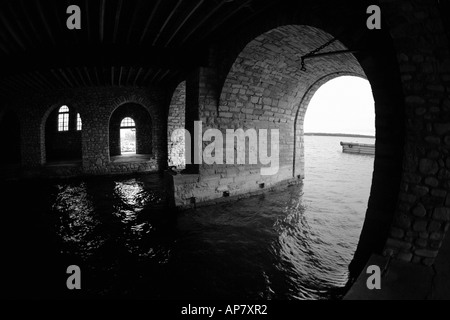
{"type": "Point", "coordinates": [63, 119]}
{"type": "Point", "coordinates": [79, 123]}
{"type": "Point", "coordinates": [127, 123]}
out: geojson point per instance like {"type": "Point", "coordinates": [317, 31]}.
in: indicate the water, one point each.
{"type": "Point", "coordinates": [294, 243]}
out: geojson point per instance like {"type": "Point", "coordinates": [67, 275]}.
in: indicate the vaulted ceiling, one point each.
{"type": "Point", "coordinates": [121, 42]}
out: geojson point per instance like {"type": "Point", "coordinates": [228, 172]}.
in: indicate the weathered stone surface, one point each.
{"type": "Point", "coordinates": [420, 190]}
{"type": "Point", "coordinates": [415, 99]}
{"type": "Point", "coordinates": [416, 259]}
{"type": "Point", "coordinates": [433, 139]}
{"type": "Point", "coordinates": [423, 235]}
{"type": "Point", "coordinates": [398, 244]}
{"type": "Point", "coordinates": [421, 243]}
{"type": "Point", "coordinates": [404, 256]}
{"type": "Point", "coordinates": [420, 225]}
{"type": "Point", "coordinates": [431, 181]}
{"type": "Point", "coordinates": [428, 166]}
{"type": "Point", "coordinates": [434, 226]}
{"type": "Point", "coordinates": [419, 210]}
{"type": "Point", "coordinates": [436, 236]}
{"type": "Point", "coordinates": [412, 178]}
{"type": "Point", "coordinates": [408, 198]}
{"type": "Point", "coordinates": [433, 154]}
{"type": "Point", "coordinates": [442, 128]}
{"type": "Point", "coordinates": [427, 253]}
{"type": "Point", "coordinates": [441, 213]}
{"type": "Point", "coordinates": [222, 188]}
{"type": "Point", "coordinates": [427, 261]}
{"type": "Point", "coordinates": [403, 221]}
{"type": "Point", "coordinates": [265, 86]}
{"type": "Point", "coordinates": [397, 233]}
{"type": "Point", "coordinates": [435, 244]}
{"type": "Point", "coordinates": [441, 193]}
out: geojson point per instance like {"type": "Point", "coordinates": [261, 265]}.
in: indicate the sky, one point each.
{"type": "Point", "coordinates": [342, 105]}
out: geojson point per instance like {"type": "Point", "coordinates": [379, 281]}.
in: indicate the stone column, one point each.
{"type": "Point", "coordinates": [95, 139]}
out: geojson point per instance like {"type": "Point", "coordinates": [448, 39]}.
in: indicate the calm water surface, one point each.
{"type": "Point", "coordinates": [294, 243]}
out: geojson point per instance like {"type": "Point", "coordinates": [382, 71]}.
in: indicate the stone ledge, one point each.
{"type": "Point", "coordinates": [275, 186]}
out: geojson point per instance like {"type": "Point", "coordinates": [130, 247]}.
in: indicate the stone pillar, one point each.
{"type": "Point", "coordinates": [95, 139]}
{"type": "Point", "coordinates": [423, 210]}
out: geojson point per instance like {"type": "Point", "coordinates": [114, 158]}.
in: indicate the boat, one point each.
{"type": "Point", "coordinates": [360, 148]}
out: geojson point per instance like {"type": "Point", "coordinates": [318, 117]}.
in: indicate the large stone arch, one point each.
{"type": "Point", "coordinates": [407, 66]}
{"type": "Point", "coordinates": [266, 84]}
{"type": "Point", "coordinates": [158, 139]}
{"type": "Point", "coordinates": [264, 87]}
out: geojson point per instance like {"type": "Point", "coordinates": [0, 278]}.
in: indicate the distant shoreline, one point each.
{"type": "Point", "coordinates": [338, 135]}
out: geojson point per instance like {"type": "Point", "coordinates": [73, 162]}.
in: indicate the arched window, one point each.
{"type": "Point", "coordinates": [63, 119]}
{"type": "Point", "coordinates": [127, 123]}
{"type": "Point", "coordinates": [127, 136]}
{"type": "Point", "coordinates": [79, 123]}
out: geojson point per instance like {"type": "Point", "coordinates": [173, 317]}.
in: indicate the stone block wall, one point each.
{"type": "Point", "coordinates": [423, 213]}
{"type": "Point", "coordinates": [263, 87]}
{"type": "Point", "coordinates": [407, 64]}
{"type": "Point", "coordinates": [134, 167]}
{"type": "Point", "coordinates": [176, 120]}
{"type": "Point", "coordinates": [95, 105]}
{"type": "Point", "coordinates": [264, 90]}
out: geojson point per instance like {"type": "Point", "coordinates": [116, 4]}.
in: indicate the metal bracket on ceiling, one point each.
{"type": "Point", "coordinates": [314, 54]}
{"type": "Point", "coordinates": [318, 55]}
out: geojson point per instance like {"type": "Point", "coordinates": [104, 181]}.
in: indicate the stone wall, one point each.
{"type": "Point", "coordinates": [95, 105]}
{"type": "Point", "coordinates": [264, 90]}
{"type": "Point", "coordinates": [176, 120]}
{"type": "Point", "coordinates": [423, 214]}
{"type": "Point", "coordinates": [253, 80]}
{"type": "Point", "coordinates": [407, 64]}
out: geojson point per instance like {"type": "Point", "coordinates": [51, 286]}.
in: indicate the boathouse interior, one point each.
{"type": "Point", "coordinates": [146, 69]}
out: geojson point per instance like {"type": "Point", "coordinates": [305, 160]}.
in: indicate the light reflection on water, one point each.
{"type": "Point", "coordinates": [76, 218]}
{"type": "Point", "coordinates": [294, 243]}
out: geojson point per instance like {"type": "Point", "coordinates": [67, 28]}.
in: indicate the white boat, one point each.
{"type": "Point", "coordinates": [360, 148]}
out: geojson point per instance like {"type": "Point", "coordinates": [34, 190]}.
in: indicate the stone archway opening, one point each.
{"type": "Point", "coordinates": [343, 104]}
{"type": "Point", "coordinates": [63, 131]}
{"type": "Point", "coordinates": [266, 87]}
{"type": "Point", "coordinates": [130, 133]}
{"type": "Point", "coordinates": [127, 136]}
{"type": "Point", "coordinates": [336, 185]}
